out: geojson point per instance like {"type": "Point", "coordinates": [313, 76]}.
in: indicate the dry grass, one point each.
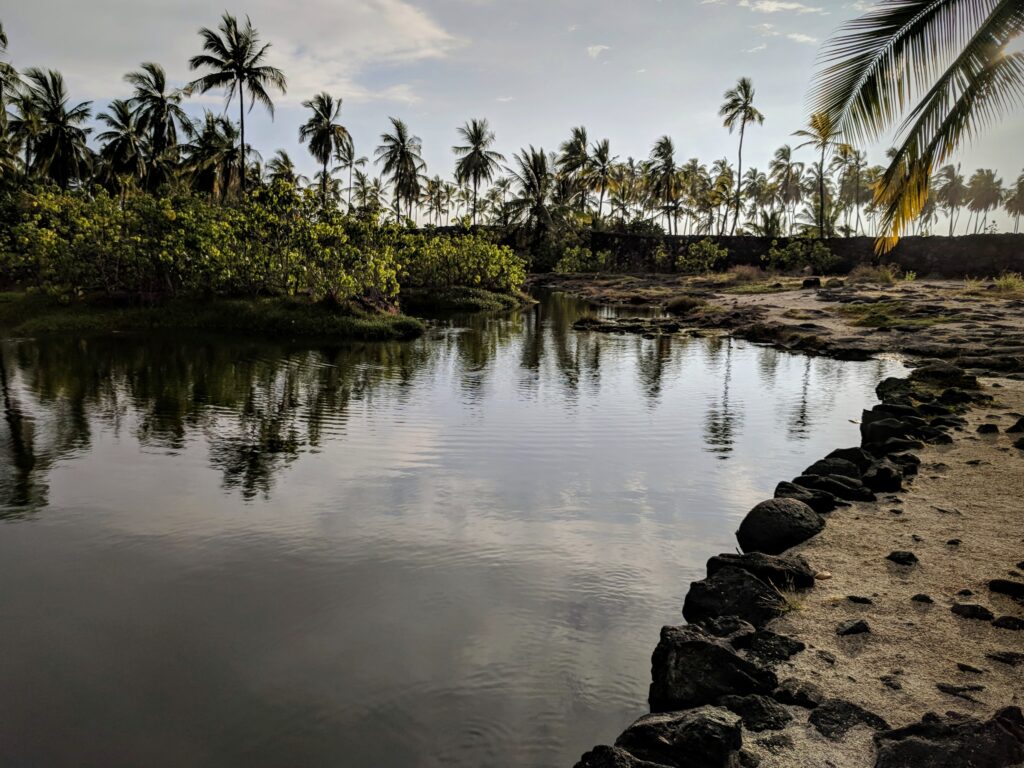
{"type": "Point", "coordinates": [885, 274]}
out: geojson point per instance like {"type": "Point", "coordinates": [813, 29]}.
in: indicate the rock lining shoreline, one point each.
{"type": "Point", "coordinates": [718, 697]}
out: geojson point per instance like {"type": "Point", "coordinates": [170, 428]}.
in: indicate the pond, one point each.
{"type": "Point", "coordinates": [456, 551]}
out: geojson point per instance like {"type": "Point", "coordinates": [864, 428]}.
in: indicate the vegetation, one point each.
{"type": "Point", "coordinates": [797, 255]}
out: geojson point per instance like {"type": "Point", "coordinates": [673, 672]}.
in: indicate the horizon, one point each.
{"type": "Point", "coordinates": [439, 63]}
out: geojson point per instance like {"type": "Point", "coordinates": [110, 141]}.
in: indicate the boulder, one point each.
{"type": "Point", "coordinates": [1009, 622]}
{"type": "Point", "coordinates": [954, 741]}
{"type": "Point", "coordinates": [833, 718]}
{"type": "Point", "coordinates": [834, 466]}
{"type": "Point", "coordinates": [691, 668]}
{"type": "Point", "coordinates": [1014, 589]}
{"type": "Point", "coordinates": [907, 462]}
{"type": "Point", "coordinates": [782, 571]}
{"type": "Point", "coordinates": [853, 627]}
{"type": "Point", "coordinates": [942, 374]}
{"type": "Point", "coordinates": [884, 476]}
{"type": "Point", "coordinates": [726, 627]}
{"type": "Point", "coordinates": [895, 445]}
{"type": "Point", "coordinates": [811, 282]}
{"type": "Point", "coordinates": [775, 525]}
{"type": "Point", "coordinates": [820, 501]}
{"type": "Point", "coordinates": [758, 713]}
{"type": "Point", "coordinates": [798, 693]}
{"type": "Point", "coordinates": [705, 737]}
{"type": "Point", "coordinates": [845, 488]}
{"type": "Point", "coordinates": [973, 611]}
{"type": "Point", "coordinates": [902, 557]}
{"type": "Point", "coordinates": [733, 592]}
{"type": "Point", "coordinates": [612, 757]}
{"type": "Point", "coordinates": [988, 429]}
{"type": "Point", "coordinates": [858, 456]}
{"type": "Point", "coordinates": [877, 432]}
{"type": "Point", "coordinates": [768, 647]}
{"type": "Point", "coordinates": [1018, 426]}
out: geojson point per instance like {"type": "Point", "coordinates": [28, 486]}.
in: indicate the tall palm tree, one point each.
{"type": "Point", "coordinates": [824, 135]}
{"type": "Point", "coordinates": [532, 177]}
{"type": "Point", "coordinates": [984, 194]}
{"type": "Point", "coordinates": [160, 116]}
{"type": "Point", "coordinates": [950, 193]}
{"type": "Point", "coordinates": [1014, 203]}
{"type": "Point", "coordinates": [122, 153]}
{"type": "Point", "coordinates": [281, 168]}
{"type": "Point", "coordinates": [399, 154]}
{"type": "Point", "coordinates": [663, 178]}
{"type": "Point", "coordinates": [325, 135]}
{"type": "Point", "coordinates": [10, 82]}
{"type": "Point", "coordinates": [212, 160]}
{"type": "Point", "coordinates": [948, 56]}
{"type": "Point", "coordinates": [346, 157]}
{"type": "Point", "coordinates": [369, 193]}
{"type": "Point", "coordinates": [602, 164]}
{"type": "Point", "coordinates": [574, 162]}
{"type": "Point", "coordinates": [738, 109]}
{"type": "Point", "coordinates": [788, 177]}
{"type": "Point", "coordinates": [235, 58]}
{"type": "Point", "coordinates": [477, 161]}
{"type": "Point", "coordinates": [59, 149]}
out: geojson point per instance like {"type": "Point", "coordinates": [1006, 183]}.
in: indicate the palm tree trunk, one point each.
{"type": "Point", "coordinates": [821, 196]}
{"type": "Point", "coordinates": [739, 178]}
{"type": "Point", "coordinates": [323, 184]}
{"type": "Point", "coordinates": [241, 143]}
{"type": "Point", "coordinates": [476, 188]}
{"type": "Point", "coordinates": [350, 167]}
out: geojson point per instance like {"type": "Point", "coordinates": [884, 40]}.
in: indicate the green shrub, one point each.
{"type": "Point", "coordinates": [468, 260]}
{"type": "Point", "coordinates": [801, 254]}
{"type": "Point", "coordinates": [580, 259]}
{"type": "Point", "coordinates": [701, 258]}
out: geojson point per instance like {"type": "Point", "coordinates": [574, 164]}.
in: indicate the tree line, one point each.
{"type": "Point", "coordinates": [147, 142]}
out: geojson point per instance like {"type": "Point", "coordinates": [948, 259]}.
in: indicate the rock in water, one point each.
{"type": "Point", "coordinates": [759, 713]}
{"type": "Point", "coordinates": [775, 525]}
{"type": "Point", "coordinates": [612, 757]}
{"type": "Point", "coordinates": [954, 741]}
{"type": "Point", "coordinates": [690, 668]}
{"type": "Point", "coordinates": [834, 717]}
{"type": "Point", "coordinates": [705, 737]}
{"type": "Point", "coordinates": [733, 592]}
{"type": "Point", "coordinates": [834, 466]}
{"type": "Point", "coordinates": [784, 572]}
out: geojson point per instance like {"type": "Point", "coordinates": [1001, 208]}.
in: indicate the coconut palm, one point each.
{"type": "Point", "coordinates": [324, 134]}
{"type": "Point", "coordinates": [59, 149]}
{"type": "Point", "coordinates": [948, 56]}
{"type": "Point", "coordinates": [281, 168]}
{"type": "Point", "coordinates": [212, 159]}
{"type": "Point", "coordinates": [788, 177]}
{"type": "Point", "coordinates": [369, 193]}
{"type": "Point", "coordinates": [573, 162]}
{"type": "Point", "coordinates": [950, 193]}
{"type": "Point", "coordinates": [235, 58]}
{"type": "Point", "coordinates": [599, 174]}
{"type": "Point", "coordinates": [1014, 203]}
{"type": "Point", "coordinates": [10, 82]}
{"type": "Point", "coordinates": [346, 157]}
{"type": "Point", "coordinates": [123, 153]}
{"type": "Point", "coordinates": [984, 194]}
{"type": "Point", "coordinates": [532, 177]}
{"type": "Point", "coordinates": [663, 179]}
{"type": "Point", "coordinates": [738, 109]}
{"type": "Point", "coordinates": [399, 154]}
{"type": "Point", "coordinates": [160, 116]}
{"type": "Point", "coordinates": [477, 161]}
{"type": "Point", "coordinates": [824, 135]}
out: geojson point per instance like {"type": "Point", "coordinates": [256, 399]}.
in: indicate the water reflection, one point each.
{"type": "Point", "coordinates": [455, 551]}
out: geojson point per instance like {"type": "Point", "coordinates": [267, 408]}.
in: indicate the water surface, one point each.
{"type": "Point", "coordinates": [451, 552]}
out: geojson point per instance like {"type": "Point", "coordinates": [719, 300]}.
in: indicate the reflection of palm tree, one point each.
{"type": "Point", "coordinates": [721, 420]}
{"type": "Point", "coordinates": [22, 449]}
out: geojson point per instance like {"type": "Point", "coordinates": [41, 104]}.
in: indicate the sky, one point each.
{"type": "Point", "coordinates": [627, 71]}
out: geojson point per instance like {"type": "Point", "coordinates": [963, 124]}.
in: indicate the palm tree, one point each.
{"type": "Point", "coordinates": [950, 193]}
{"type": "Point", "coordinates": [663, 178]}
{"type": "Point", "coordinates": [281, 168]}
{"type": "Point", "coordinates": [477, 161]}
{"type": "Point", "coordinates": [599, 173]}
{"type": "Point", "coordinates": [59, 150]}
{"type": "Point", "coordinates": [122, 153]}
{"type": "Point", "coordinates": [325, 135]}
{"type": "Point", "coordinates": [159, 114]}
{"type": "Point", "coordinates": [346, 157]}
{"type": "Point", "coordinates": [236, 60]}
{"type": "Point", "coordinates": [10, 82]}
{"type": "Point", "coordinates": [1014, 203]}
{"type": "Point", "coordinates": [824, 134]}
{"type": "Point", "coordinates": [788, 177]}
{"type": "Point", "coordinates": [532, 177]}
{"type": "Point", "coordinates": [212, 160]}
{"type": "Point", "coordinates": [984, 194]}
{"type": "Point", "coordinates": [399, 153]}
{"type": "Point", "coordinates": [738, 108]}
{"type": "Point", "coordinates": [951, 57]}
{"type": "Point", "coordinates": [369, 193]}
{"type": "Point", "coordinates": [574, 162]}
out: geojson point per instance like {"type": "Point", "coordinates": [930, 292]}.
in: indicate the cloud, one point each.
{"type": "Point", "coordinates": [349, 38]}
{"type": "Point", "coordinates": [770, 30]}
{"type": "Point", "coordinates": [779, 6]}
{"type": "Point", "coordinates": [505, 99]}
{"type": "Point", "coordinates": [757, 48]}
{"type": "Point", "coordinates": [594, 51]}
{"type": "Point", "coordinates": [799, 37]}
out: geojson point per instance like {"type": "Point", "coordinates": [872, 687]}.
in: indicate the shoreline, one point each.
{"type": "Point", "coordinates": [875, 615]}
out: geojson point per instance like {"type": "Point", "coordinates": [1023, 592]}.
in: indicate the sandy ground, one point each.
{"type": "Point", "coordinates": [971, 491]}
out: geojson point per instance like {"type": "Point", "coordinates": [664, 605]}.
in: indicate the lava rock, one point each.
{"type": "Point", "coordinates": [691, 668]}
{"type": "Point", "coordinates": [895, 445]}
{"type": "Point", "coordinates": [767, 646]}
{"type": "Point", "coordinates": [1014, 589]}
{"type": "Point", "coordinates": [612, 757]}
{"type": "Point", "coordinates": [833, 718]}
{"type": "Point", "coordinates": [705, 737]}
{"type": "Point", "coordinates": [955, 396]}
{"type": "Point", "coordinates": [859, 600]}
{"type": "Point", "coordinates": [775, 525]}
{"type": "Point", "coordinates": [820, 501]}
{"type": "Point", "coordinates": [901, 557]}
{"type": "Point", "coordinates": [883, 476]}
{"type": "Point", "coordinates": [1018, 426]}
{"type": "Point", "coordinates": [954, 741]}
{"type": "Point", "coordinates": [781, 571]}
{"type": "Point", "coordinates": [907, 462]}
{"type": "Point", "coordinates": [733, 592]}
{"type": "Point", "coordinates": [1010, 658]}
{"type": "Point", "coordinates": [834, 466]}
{"type": "Point", "coordinates": [853, 627]}
{"type": "Point", "coordinates": [944, 375]}
{"type": "Point", "coordinates": [857, 456]}
{"type": "Point", "coordinates": [973, 611]}
{"type": "Point", "coordinates": [726, 626]}
{"type": "Point", "coordinates": [988, 429]}
{"type": "Point", "coordinates": [811, 282]}
{"type": "Point", "coordinates": [1019, 443]}
{"type": "Point", "coordinates": [758, 713]}
{"type": "Point", "coordinates": [1009, 622]}
{"type": "Point", "coordinates": [877, 432]}
{"type": "Point", "coordinates": [922, 599]}
{"type": "Point", "coordinates": [845, 488]}
{"type": "Point", "coordinates": [798, 693]}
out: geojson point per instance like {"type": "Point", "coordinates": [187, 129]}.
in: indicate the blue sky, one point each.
{"type": "Point", "coordinates": [627, 71]}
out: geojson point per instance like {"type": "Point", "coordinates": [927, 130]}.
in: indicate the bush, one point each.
{"type": "Point", "coordinates": [746, 273]}
{"type": "Point", "coordinates": [798, 255]}
{"type": "Point", "coordinates": [683, 305]}
{"type": "Point", "coordinates": [580, 259]}
{"type": "Point", "coordinates": [468, 260]}
{"type": "Point", "coordinates": [701, 258]}
{"type": "Point", "coordinates": [1010, 282]}
{"type": "Point", "coordinates": [885, 274]}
